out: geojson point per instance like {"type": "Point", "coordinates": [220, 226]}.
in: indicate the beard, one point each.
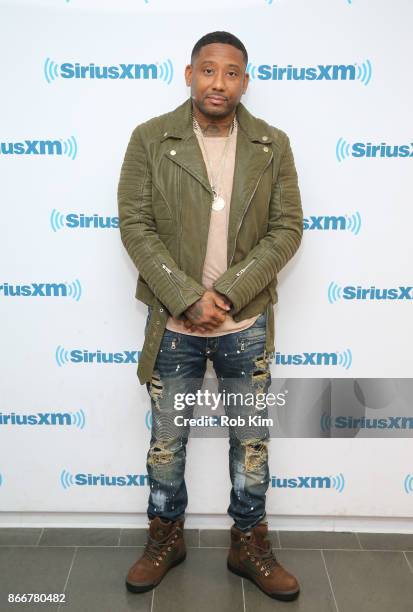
{"type": "Point", "coordinates": [214, 113]}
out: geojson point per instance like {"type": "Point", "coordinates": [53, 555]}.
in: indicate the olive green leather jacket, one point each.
{"type": "Point", "coordinates": [164, 199]}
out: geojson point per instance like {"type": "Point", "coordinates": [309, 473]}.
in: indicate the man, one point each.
{"type": "Point", "coordinates": [209, 211]}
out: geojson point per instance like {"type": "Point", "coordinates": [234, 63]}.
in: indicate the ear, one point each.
{"type": "Point", "coordinates": [188, 75]}
{"type": "Point", "coordinates": [246, 81]}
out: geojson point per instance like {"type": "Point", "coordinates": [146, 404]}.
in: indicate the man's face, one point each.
{"type": "Point", "coordinates": [217, 79]}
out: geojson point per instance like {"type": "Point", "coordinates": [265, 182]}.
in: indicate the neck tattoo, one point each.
{"type": "Point", "coordinates": [212, 129]}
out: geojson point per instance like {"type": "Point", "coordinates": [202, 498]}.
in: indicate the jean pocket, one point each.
{"type": "Point", "coordinates": [254, 334]}
{"type": "Point", "coordinates": [170, 341]}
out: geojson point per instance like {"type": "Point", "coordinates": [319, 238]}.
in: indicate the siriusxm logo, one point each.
{"type": "Point", "coordinates": [321, 72]}
{"type": "Point", "coordinates": [59, 220]}
{"type": "Point", "coordinates": [148, 419]}
{"type": "Point", "coordinates": [72, 290]}
{"type": "Point", "coordinates": [350, 292]}
{"type": "Point", "coordinates": [349, 422]}
{"type": "Point", "coordinates": [102, 480]}
{"type": "Point", "coordinates": [1, 479]}
{"type": "Point", "coordinates": [59, 146]}
{"type": "Point", "coordinates": [162, 71]}
{"type": "Point", "coordinates": [309, 482]}
{"type": "Point", "coordinates": [407, 484]}
{"type": "Point", "coordinates": [349, 223]}
{"type": "Point", "coordinates": [75, 419]}
{"type": "Point", "coordinates": [337, 358]}
{"type": "Point", "coordinates": [370, 150]}
{"type": "Point", "coordinates": [63, 356]}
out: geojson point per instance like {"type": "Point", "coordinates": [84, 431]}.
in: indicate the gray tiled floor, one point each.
{"type": "Point", "coordinates": [338, 572]}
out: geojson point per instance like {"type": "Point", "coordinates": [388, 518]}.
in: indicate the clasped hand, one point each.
{"type": "Point", "coordinates": [208, 312]}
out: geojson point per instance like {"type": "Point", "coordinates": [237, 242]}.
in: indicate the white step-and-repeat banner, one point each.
{"type": "Point", "coordinates": [77, 77]}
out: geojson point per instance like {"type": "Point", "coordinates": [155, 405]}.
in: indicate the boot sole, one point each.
{"type": "Point", "coordinates": [287, 596]}
{"type": "Point", "coordinates": [133, 588]}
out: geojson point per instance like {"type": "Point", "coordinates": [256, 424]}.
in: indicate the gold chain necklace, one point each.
{"type": "Point", "coordinates": [218, 202]}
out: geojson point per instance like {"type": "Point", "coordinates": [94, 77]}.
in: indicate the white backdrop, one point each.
{"type": "Point", "coordinates": [66, 290]}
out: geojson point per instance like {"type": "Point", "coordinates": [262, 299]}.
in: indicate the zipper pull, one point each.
{"type": "Point", "coordinates": [243, 269]}
{"type": "Point", "coordinates": [166, 268]}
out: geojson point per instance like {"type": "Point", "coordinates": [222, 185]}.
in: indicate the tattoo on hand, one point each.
{"type": "Point", "coordinates": [196, 312]}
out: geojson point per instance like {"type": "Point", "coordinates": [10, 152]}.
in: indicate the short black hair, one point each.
{"type": "Point", "coordinates": [225, 38]}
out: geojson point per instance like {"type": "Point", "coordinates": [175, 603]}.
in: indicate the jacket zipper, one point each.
{"type": "Point", "coordinates": [171, 273]}
{"type": "Point", "coordinates": [238, 274]}
{"type": "Point", "coordinates": [173, 276]}
{"type": "Point", "coordinates": [246, 208]}
{"type": "Point", "coordinates": [243, 269]}
{"type": "Point", "coordinates": [180, 228]}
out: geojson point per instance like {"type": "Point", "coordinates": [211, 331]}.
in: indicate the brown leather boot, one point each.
{"type": "Point", "coordinates": [164, 549]}
{"type": "Point", "coordinates": [251, 556]}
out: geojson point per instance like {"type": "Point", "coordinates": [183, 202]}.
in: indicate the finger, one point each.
{"type": "Point", "coordinates": [218, 319]}
{"type": "Point", "coordinates": [212, 326]}
{"type": "Point", "coordinates": [197, 328]}
{"type": "Point", "coordinates": [221, 303]}
{"type": "Point", "coordinates": [203, 328]}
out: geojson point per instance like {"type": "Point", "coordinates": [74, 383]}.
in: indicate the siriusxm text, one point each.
{"type": "Point", "coordinates": [368, 149]}
{"type": "Point", "coordinates": [39, 418]}
{"type": "Point", "coordinates": [116, 71]}
{"type": "Point", "coordinates": [35, 290]}
{"type": "Point", "coordinates": [350, 292]}
{"type": "Point", "coordinates": [302, 482]}
{"type": "Point", "coordinates": [325, 223]}
{"type": "Point", "coordinates": [306, 359]}
{"type": "Point", "coordinates": [32, 147]}
{"type": "Point", "coordinates": [129, 480]}
{"type": "Point", "coordinates": [85, 356]}
{"type": "Point", "coordinates": [321, 72]}
{"type": "Point", "coordinates": [396, 422]}
{"type": "Point", "coordinates": [81, 221]}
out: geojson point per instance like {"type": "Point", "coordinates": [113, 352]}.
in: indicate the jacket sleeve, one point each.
{"type": "Point", "coordinates": [246, 279]}
{"type": "Point", "coordinates": [170, 284]}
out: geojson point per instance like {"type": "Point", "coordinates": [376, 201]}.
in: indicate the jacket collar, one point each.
{"type": "Point", "coordinates": [179, 124]}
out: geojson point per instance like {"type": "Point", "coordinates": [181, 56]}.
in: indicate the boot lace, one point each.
{"type": "Point", "coordinates": [156, 550]}
{"type": "Point", "coordinates": [262, 557]}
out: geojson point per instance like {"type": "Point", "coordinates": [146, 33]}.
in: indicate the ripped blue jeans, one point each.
{"type": "Point", "coordinates": [242, 367]}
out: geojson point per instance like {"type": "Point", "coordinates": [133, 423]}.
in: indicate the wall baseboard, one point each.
{"type": "Point", "coordinates": [99, 520]}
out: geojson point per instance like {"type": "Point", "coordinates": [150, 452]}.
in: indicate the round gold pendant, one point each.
{"type": "Point", "coordinates": [218, 203]}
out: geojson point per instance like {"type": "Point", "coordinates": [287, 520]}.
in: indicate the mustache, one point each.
{"type": "Point", "coordinates": [216, 96]}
